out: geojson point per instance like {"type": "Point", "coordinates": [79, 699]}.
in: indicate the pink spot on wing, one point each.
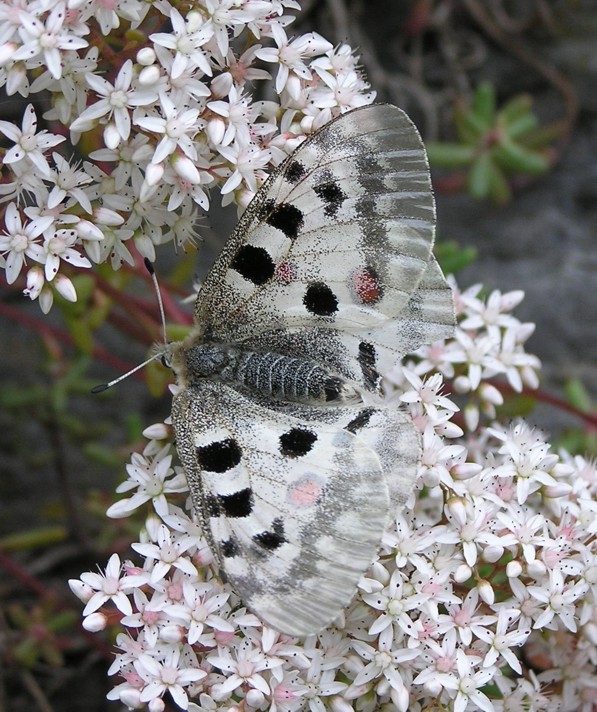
{"type": "Point", "coordinates": [285, 272]}
{"type": "Point", "coordinates": [367, 286]}
{"type": "Point", "coordinates": [305, 492]}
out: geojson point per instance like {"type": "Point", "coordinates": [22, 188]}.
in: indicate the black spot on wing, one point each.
{"type": "Point", "coordinates": [359, 421]}
{"type": "Point", "coordinates": [366, 359]}
{"type": "Point", "coordinates": [219, 456]}
{"type": "Point", "coordinates": [319, 299]}
{"type": "Point", "coordinates": [237, 504]}
{"type": "Point", "coordinates": [332, 195]}
{"type": "Point", "coordinates": [283, 216]}
{"type": "Point", "coordinates": [297, 442]}
{"type": "Point", "coordinates": [254, 264]}
{"type": "Point", "coordinates": [229, 548]}
{"type": "Point", "coordinates": [273, 538]}
{"type": "Point", "coordinates": [294, 171]}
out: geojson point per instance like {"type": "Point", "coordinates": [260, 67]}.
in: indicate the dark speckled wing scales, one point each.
{"type": "Point", "coordinates": [331, 262]}
{"type": "Point", "coordinates": [337, 240]}
{"type": "Point", "coordinates": [294, 500]}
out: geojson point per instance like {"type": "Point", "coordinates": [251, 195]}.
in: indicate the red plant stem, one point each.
{"type": "Point", "coordinates": [550, 399]}
{"type": "Point", "coordinates": [32, 584]}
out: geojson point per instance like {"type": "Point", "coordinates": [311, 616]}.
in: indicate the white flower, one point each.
{"type": "Point", "coordinates": [559, 598]}
{"type": "Point", "coordinates": [201, 601]}
{"type": "Point", "coordinates": [59, 246]}
{"type": "Point", "coordinates": [167, 674]}
{"type": "Point", "coordinates": [115, 104]}
{"type": "Point", "coordinates": [67, 180]}
{"type": "Point", "coordinates": [289, 55]}
{"type": "Point", "coordinates": [177, 128]}
{"type": "Point", "coordinates": [47, 39]}
{"type": "Point", "coordinates": [20, 241]}
{"type": "Point", "coordinates": [501, 640]}
{"type": "Point", "coordinates": [246, 161]}
{"type": "Point", "coordinates": [245, 666]}
{"type": "Point", "coordinates": [169, 552]}
{"type": "Point", "coordinates": [110, 586]}
{"type": "Point", "coordinates": [28, 143]}
{"type": "Point", "coordinates": [152, 478]}
{"type": "Point", "coordinates": [187, 39]}
{"type": "Point", "coordinates": [466, 684]}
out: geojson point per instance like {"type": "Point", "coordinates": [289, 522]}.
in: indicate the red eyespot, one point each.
{"type": "Point", "coordinates": [367, 286]}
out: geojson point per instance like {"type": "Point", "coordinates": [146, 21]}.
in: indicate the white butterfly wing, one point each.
{"type": "Point", "coordinates": [363, 355]}
{"type": "Point", "coordinates": [294, 508]}
{"type": "Point", "coordinates": [339, 236]}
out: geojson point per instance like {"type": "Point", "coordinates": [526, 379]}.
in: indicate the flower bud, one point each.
{"type": "Point", "coordinates": [35, 282]}
{"type": "Point", "coordinates": [215, 129]}
{"type": "Point", "coordinates": [493, 553]}
{"type": "Point", "coordinates": [65, 288]}
{"type": "Point", "coordinates": [457, 508]}
{"type": "Point", "coordinates": [81, 590]}
{"type": "Point", "coordinates": [462, 384]}
{"type": "Point", "coordinates": [95, 622]}
{"type": "Point", "coordinates": [471, 416]}
{"type": "Point", "coordinates": [88, 231]}
{"type": "Point", "coordinates": [154, 173]}
{"type": "Point", "coordinates": [46, 299]}
{"type": "Point", "coordinates": [171, 634]}
{"type": "Point", "coordinates": [149, 76]}
{"type": "Point", "coordinates": [490, 394]}
{"type": "Point", "coordinates": [513, 569]}
{"type": "Point", "coordinates": [463, 573]}
{"type": "Point", "coordinates": [111, 136]}
{"type": "Point", "coordinates": [146, 56]}
{"type": "Point", "coordinates": [185, 168]}
{"type": "Point", "coordinates": [536, 569]}
{"type": "Point", "coordinates": [156, 705]}
{"type": "Point", "coordinates": [255, 698]}
{"type": "Point", "coordinates": [486, 592]}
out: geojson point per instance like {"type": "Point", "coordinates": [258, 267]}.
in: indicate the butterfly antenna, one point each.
{"type": "Point", "coordinates": [158, 294]}
{"type": "Point", "coordinates": [104, 386]}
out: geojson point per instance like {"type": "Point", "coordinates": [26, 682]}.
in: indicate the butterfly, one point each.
{"type": "Point", "coordinates": [294, 464]}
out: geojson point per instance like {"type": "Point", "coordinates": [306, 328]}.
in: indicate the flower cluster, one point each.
{"type": "Point", "coordinates": [483, 597]}
{"type": "Point", "coordinates": [170, 117]}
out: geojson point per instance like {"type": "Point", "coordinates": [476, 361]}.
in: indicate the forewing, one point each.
{"type": "Point", "coordinates": [362, 355]}
{"type": "Point", "coordinates": [294, 510]}
{"type": "Point", "coordinates": [338, 237]}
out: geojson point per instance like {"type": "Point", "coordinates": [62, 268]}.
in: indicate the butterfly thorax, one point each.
{"type": "Point", "coordinates": [268, 374]}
